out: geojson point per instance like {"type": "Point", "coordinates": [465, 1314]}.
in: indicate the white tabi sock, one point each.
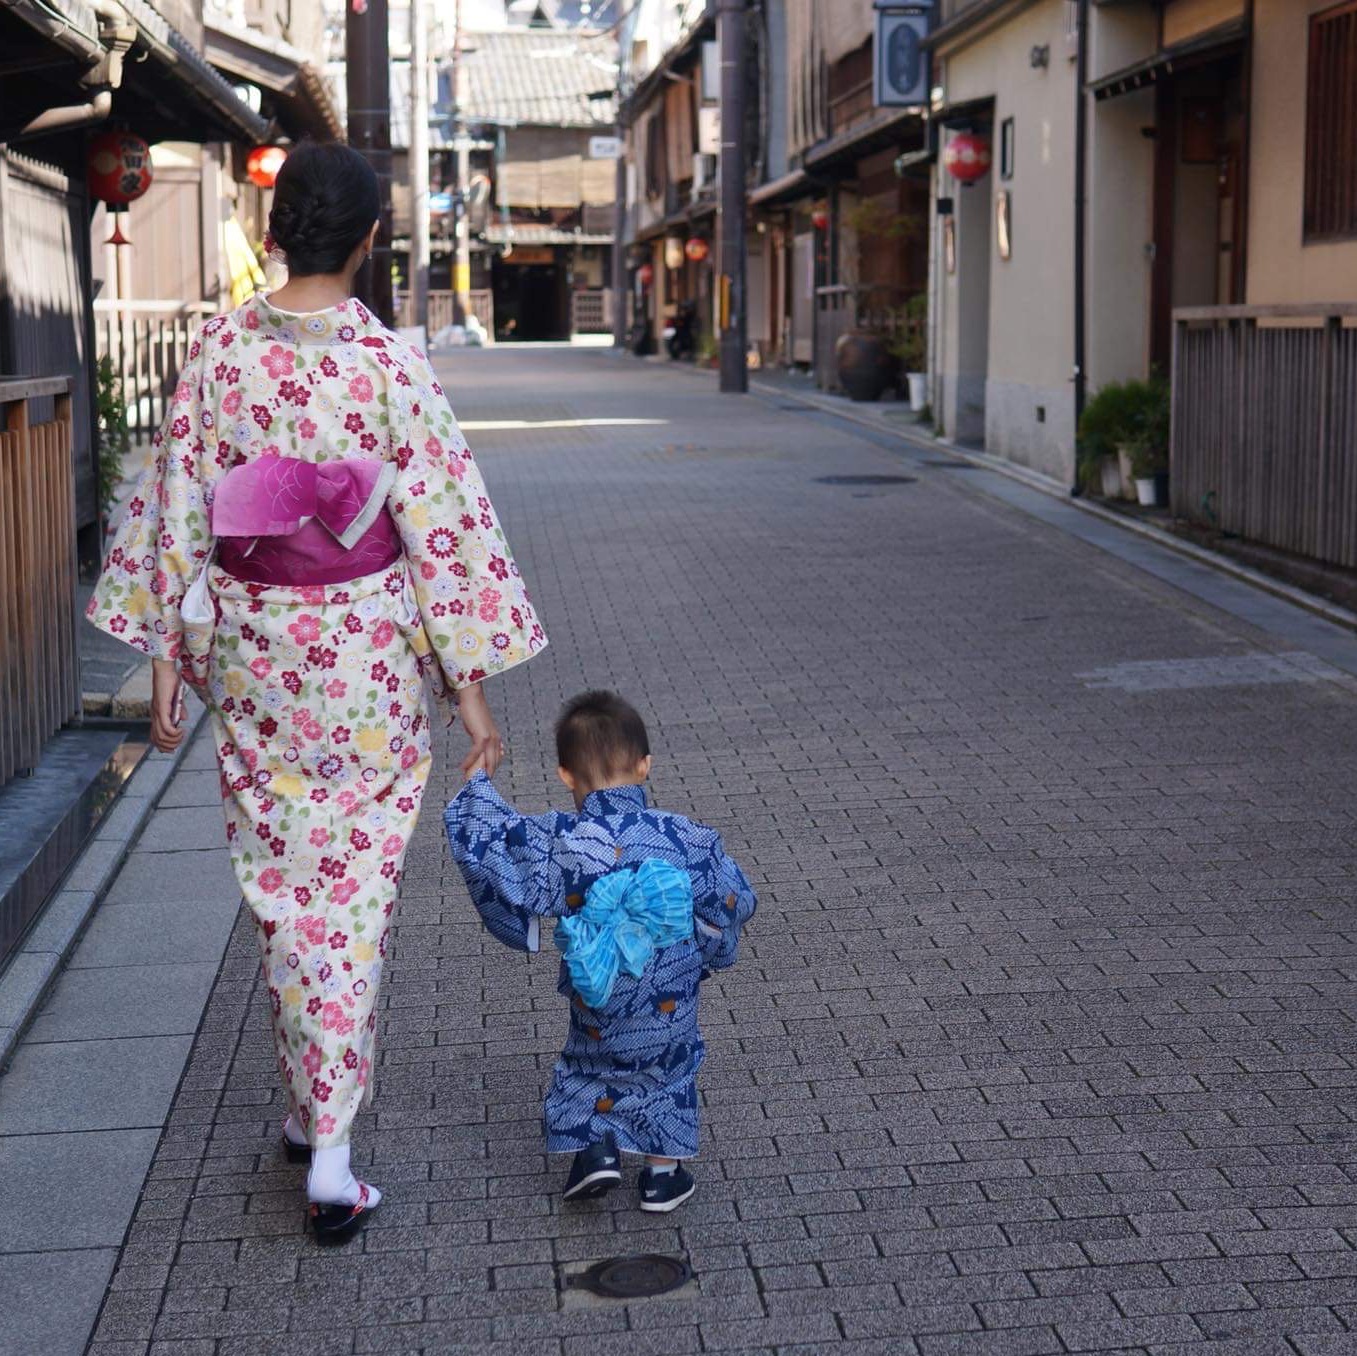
{"type": "Point", "coordinates": [331, 1182]}
{"type": "Point", "coordinates": [292, 1132]}
{"type": "Point", "coordinates": [663, 1169]}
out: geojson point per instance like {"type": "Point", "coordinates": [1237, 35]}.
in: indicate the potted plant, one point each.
{"type": "Point", "coordinates": [864, 360]}
{"type": "Point", "coordinates": [1124, 418]}
{"type": "Point", "coordinates": [1149, 446]}
{"type": "Point", "coordinates": [909, 348]}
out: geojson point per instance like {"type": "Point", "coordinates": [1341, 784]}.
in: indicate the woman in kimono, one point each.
{"type": "Point", "coordinates": [311, 543]}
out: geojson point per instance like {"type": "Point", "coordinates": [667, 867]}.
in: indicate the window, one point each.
{"type": "Point", "coordinates": [1330, 128]}
{"type": "Point", "coordinates": [1006, 149]}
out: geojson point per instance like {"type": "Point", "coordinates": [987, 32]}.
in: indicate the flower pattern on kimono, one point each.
{"type": "Point", "coordinates": [317, 692]}
{"type": "Point", "coordinates": [243, 379]}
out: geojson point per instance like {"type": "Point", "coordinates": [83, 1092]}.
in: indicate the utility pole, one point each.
{"type": "Point", "coordinates": [419, 164]}
{"type": "Point", "coordinates": [731, 36]}
{"type": "Point", "coordinates": [461, 258]}
{"type": "Point", "coordinates": [368, 77]}
{"type": "Point", "coordinates": [619, 278]}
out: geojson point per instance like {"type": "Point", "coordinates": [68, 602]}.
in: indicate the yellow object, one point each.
{"type": "Point", "coordinates": [247, 277]}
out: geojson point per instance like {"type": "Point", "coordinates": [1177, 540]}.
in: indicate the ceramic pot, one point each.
{"type": "Point", "coordinates": [865, 365]}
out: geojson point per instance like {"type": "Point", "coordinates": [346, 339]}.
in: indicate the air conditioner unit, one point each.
{"type": "Point", "coordinates": [704, 172]}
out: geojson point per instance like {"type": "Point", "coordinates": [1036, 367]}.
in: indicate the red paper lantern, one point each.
{"type": "Point", "coordinates": [819, 216]}
{"type": "Point", "coordinates": [696, 249]}
{"type": "Point", "coordinates": [263, 163]}
{"type": "Point", "coordinates": [646, 273]}
{"type": "Point", "coordinates": [118, 167]}
{"type": "Point", "coordinates": [967, 157]}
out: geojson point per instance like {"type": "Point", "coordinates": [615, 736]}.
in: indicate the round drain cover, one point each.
{"type": "Point", "coordinates": [634, 1277]}
{"type": "Point", "coordinates": [864, 480]}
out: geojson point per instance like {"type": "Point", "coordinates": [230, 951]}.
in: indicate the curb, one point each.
{"type": "Point", "coordinates": [43, 953]}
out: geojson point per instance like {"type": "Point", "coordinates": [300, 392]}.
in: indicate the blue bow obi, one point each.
{"type": "Point", "coordinates": [627, 916]}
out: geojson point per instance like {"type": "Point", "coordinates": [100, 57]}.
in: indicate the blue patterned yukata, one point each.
{"type": "Point", "coordinates": [629, 1065]}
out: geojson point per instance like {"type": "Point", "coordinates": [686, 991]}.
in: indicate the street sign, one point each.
{"type": "Point", "coordinates": [900, 79]}
{"type": "Point", "coordinates": [605, 148]}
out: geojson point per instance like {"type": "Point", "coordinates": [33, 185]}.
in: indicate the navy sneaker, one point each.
{"type": "Point", "coordinates": [665, 1191]}
{"type": "Point", "coordinates": [595, 1171]}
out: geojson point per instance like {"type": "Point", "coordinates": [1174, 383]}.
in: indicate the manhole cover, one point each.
{"type": "Point", "coordinates": [864, 480]}
{"type": "Point", "coordinates": [633, 1277]}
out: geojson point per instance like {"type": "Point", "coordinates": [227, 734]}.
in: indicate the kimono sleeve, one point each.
{"type": "Point", "coordinates": [164, 536]}
{"type": "Point", "coordinates": [508, 860]}
{"type": "Point", "coordinates": [723, 900]}
{"type": "Point", "coordinates": [473, 603]}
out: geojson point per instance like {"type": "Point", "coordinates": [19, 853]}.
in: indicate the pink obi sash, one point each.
{"type": "Point", "coordinates": [281, 520]}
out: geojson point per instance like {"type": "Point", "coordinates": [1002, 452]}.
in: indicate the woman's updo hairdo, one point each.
{"type": "Point", "coordinates": [325, 200]}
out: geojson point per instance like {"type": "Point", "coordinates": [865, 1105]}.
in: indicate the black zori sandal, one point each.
{"type": "Point", "coordinates": [336, 1224]}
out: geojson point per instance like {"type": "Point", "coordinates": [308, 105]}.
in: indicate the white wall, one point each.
{"type": "Point", "coordinates": [1028, 409]}
{"type": "Point", "coordinates": [1120, 202]}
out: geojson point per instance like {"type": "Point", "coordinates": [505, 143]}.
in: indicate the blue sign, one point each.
{"type": "Point", "coordinates": [901, 77]}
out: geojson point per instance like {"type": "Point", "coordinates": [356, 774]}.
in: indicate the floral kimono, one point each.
{"type": "Point", "coordinates": [629, 1066]}
{"type": "Point", "coordinates": [313, 541]}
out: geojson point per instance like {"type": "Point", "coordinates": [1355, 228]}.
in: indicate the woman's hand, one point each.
{"type": "Point", "coordinates": [487, 746]}
{"type": "Point", "coordinates": [167, 706]}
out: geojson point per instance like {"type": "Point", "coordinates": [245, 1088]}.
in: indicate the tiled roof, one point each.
{"type": "Point", "coordinates": [541, 78]}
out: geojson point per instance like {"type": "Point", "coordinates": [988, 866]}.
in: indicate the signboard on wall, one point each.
{"type": "Point", "coordinates": [605, 148]}
{"type": "Point", "coordinates": [901, 75]}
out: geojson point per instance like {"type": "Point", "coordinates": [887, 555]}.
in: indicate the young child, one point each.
{"type": "Point", "coordinates": [644, 904]}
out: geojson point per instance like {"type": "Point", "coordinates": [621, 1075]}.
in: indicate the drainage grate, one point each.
{"type": "Point", "coordinates": [865, 480]}
{"type": "Point", "coordinates": [633, 1277]}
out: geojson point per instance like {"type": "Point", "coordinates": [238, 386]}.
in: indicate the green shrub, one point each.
{"type": "Point", "coordinates": [1130, 416]}
{"type": "Point", "coordinates": [113, 434]}
{"type": "Point", "coordinates": [910, 344]}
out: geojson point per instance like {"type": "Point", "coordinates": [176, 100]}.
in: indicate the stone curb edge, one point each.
{"type": "Point", "coordinates": [43, 953]}
{"type": "Point", "coordinates": [1309, 602]}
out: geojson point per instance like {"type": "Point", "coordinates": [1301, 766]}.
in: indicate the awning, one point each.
{"type": "Point", "coordinates": [797, 184]}
{"type": "Point", "coordinates": [300, 91]}
{"type": "Point", "coordinates": [1218, 42]}
{"type": "Point", "coordinates": [193, 101]}
{"type": "Point", "coordinates": [882, 130]}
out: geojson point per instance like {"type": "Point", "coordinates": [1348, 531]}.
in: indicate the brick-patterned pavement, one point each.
{"type": "Point", "coordinates": [1042, 1040]}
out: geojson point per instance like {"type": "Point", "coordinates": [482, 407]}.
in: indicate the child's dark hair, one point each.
{"type": "Point", "coordinates": [324, 202]}
{"type": "Point", "coordinates": [599, 733]}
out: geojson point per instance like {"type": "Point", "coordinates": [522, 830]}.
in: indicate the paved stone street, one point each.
{"type": "Point", "coordinates": [1042, 1039]}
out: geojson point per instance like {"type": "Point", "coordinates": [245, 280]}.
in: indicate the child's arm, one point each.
{"type": "Point", "coordinates": [723, 900]}
{"type": "Point", "coordinates": [508, 861]}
